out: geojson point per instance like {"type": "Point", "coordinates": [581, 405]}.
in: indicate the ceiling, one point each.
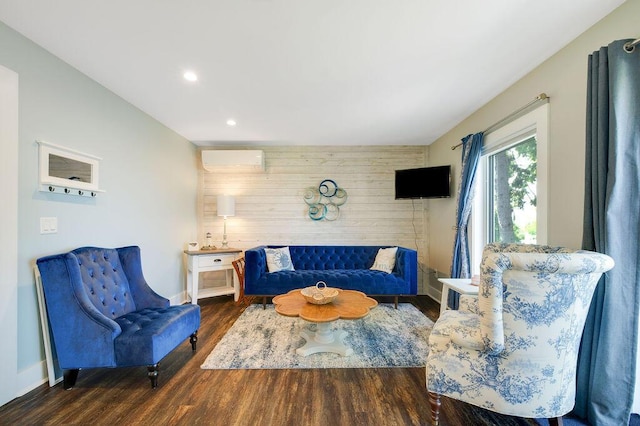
{"type": "Point", "coordinates": [306, 72]}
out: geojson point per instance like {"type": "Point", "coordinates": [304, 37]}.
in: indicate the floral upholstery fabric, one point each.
{"type": "Point", "coordinates": [468, 303]}
{"type": "Point", "coordinates": [515, 350]}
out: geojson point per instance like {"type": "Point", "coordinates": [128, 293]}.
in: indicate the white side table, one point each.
{"type": "Point", "coordinates": [459, 285]}
{"type": "Point", "coordinates": [211, 260]}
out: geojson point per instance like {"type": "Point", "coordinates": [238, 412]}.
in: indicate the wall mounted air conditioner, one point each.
{"type": "Point", "coordinates": [229, 161]}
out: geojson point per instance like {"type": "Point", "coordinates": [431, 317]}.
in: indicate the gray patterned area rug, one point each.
{"type": "Point", "coordinates": [387, 337]}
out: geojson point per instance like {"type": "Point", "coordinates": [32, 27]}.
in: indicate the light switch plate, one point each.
{"type": "Point", "coordinates": [48, 225]}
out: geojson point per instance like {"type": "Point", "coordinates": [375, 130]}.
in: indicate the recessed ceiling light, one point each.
{"type": "Point", "coordinates": [231, 122]}
{"type": "Point", "coordinates": [190, 76]}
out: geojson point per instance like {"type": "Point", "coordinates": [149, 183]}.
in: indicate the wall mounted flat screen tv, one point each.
{"type": "Point", "coordinates": [426, 182]}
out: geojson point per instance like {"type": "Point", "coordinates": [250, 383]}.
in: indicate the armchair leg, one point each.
{"type": "Point", "coordinates": [152, 373]}
{"type": "Point", "coordinates": [193, 339]}
{"type": "Point", "coordinates": [69, 378]}
{"type": "Point", "coordinates": [555, 421]}
{"type": "Point", "coordinates": [434, 401]}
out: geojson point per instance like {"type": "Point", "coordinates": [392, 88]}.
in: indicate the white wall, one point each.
{"type": "Point", "coordinates": [270, 208]}
{"type": "Point", "coordinates": [564, 78]}
{"type": "Point", "coordinates": [9, 232]}
{"type": "Point", "coordinates": [149, 174]}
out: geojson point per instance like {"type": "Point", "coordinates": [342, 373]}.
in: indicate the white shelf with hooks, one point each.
{"type": "Point", "coordinates": [66, 171]}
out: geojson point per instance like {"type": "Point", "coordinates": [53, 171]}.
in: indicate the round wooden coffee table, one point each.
{"type": "Point", "coordinates": [349, 304]}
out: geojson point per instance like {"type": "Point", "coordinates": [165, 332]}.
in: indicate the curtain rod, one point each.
{"type": "Point", "coordinates": [630, 46]}
{"type": "Point", "coordinates": [541, 97]}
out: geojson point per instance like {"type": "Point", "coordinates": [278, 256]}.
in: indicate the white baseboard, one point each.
{"type": "Point", "coordinates": [179, 298]}
{"type": "Point", "coordinates": [32, 377]}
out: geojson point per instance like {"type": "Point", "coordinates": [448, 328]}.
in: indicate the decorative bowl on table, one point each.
{"type": "Point", "coordinates": [319, 294]}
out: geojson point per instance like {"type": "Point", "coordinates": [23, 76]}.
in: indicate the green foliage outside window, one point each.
{"type": "Point", "coordinates": [514, 174]}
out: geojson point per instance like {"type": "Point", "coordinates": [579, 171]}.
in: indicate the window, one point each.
{"type": "Point", "coordinates": [510, 203]}
{"type": "Point", "coordinates": [511, 193]}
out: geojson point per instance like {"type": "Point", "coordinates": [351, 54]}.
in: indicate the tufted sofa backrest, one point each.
{"type": "Point", "coordinates": [104, 280]}
{"type": "Point", "coordinates": [333, 257]}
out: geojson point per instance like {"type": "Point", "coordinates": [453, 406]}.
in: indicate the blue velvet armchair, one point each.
{"type": "Point", "coordinates": [102, 313]}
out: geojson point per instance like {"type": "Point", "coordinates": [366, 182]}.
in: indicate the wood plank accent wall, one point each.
{"type": "Point", "coordinates": [270, 208]}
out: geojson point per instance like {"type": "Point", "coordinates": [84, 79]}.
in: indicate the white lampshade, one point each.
{"type": "Point", "coordinates": [226, 205]}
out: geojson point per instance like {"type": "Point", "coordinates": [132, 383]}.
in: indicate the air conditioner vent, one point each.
{"type": "Point", "coordinates": [229, 161]}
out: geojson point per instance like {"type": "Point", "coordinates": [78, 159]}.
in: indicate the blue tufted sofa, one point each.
{"type": "Point", "coordinates": [102, 313]}
{"type": "Point", "coordinates": [345, 267]}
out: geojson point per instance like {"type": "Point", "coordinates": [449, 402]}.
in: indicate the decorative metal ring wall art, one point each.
{"type": "Point", "coordinates": [324, 201]}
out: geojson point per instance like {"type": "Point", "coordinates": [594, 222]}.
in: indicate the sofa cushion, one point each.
{"type": "Point", "coordinates": [385, 260]}
{"type": "Point", "coordinates": [150, 334]}
{"type": "Point", "coordinates": [278, 259]}
{"type": "Point", "coordinates": [365, 280]}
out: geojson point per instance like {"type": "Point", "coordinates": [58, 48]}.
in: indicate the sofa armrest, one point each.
{"type": "Point", "coordinates": [143, 295]}
{"type": "Point", "coordinates": [407, 267]}
{"type": "Point", "coordinates": [255, 265]}
{"type": "Point", "coordinates": [74, 319]}
{"type": "Point", "coordinates": [465, 331]}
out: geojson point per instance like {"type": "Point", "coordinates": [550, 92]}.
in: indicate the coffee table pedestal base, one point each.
{"type": "Point", "coordinates": [324, 340]}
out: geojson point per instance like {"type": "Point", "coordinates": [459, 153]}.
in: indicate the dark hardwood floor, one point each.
{"type": "Point", "coordinates": [187, 394]}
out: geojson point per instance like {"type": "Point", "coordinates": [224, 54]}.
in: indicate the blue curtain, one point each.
{"type": "Point", "coordinates": [607, 360]}
{"type": "Point", "coordinates": [460, 268]}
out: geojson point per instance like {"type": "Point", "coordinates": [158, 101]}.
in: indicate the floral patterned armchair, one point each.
{"type": "Point", "coordinates": [515, 351]}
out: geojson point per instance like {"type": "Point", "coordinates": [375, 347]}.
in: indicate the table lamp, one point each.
{"type": "Point", "coordinates": [226, 207]}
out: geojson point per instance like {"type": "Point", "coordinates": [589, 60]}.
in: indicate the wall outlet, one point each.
{"type": "Point", "coordinates": [48, 225]}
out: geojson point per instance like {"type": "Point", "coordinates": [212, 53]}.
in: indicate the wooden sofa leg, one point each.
{"type": "Point", "coordinates": [555, 421]}
{"type": "Point", "coordinates": [69, 378]}
{"type": "Point", "coordinates": [395, 301]}
{"type": "Point", "coordinates": [152, 373]}
{"type": "Point", "coordinates": [264, 302]}
{"type": "Point", "coordinates": [194, 339]}
{"type": "Point", "coordinates": [434, 401]}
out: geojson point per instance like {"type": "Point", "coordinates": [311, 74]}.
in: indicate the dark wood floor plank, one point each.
{"type": "Point", "coordinates": [189, 395]}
